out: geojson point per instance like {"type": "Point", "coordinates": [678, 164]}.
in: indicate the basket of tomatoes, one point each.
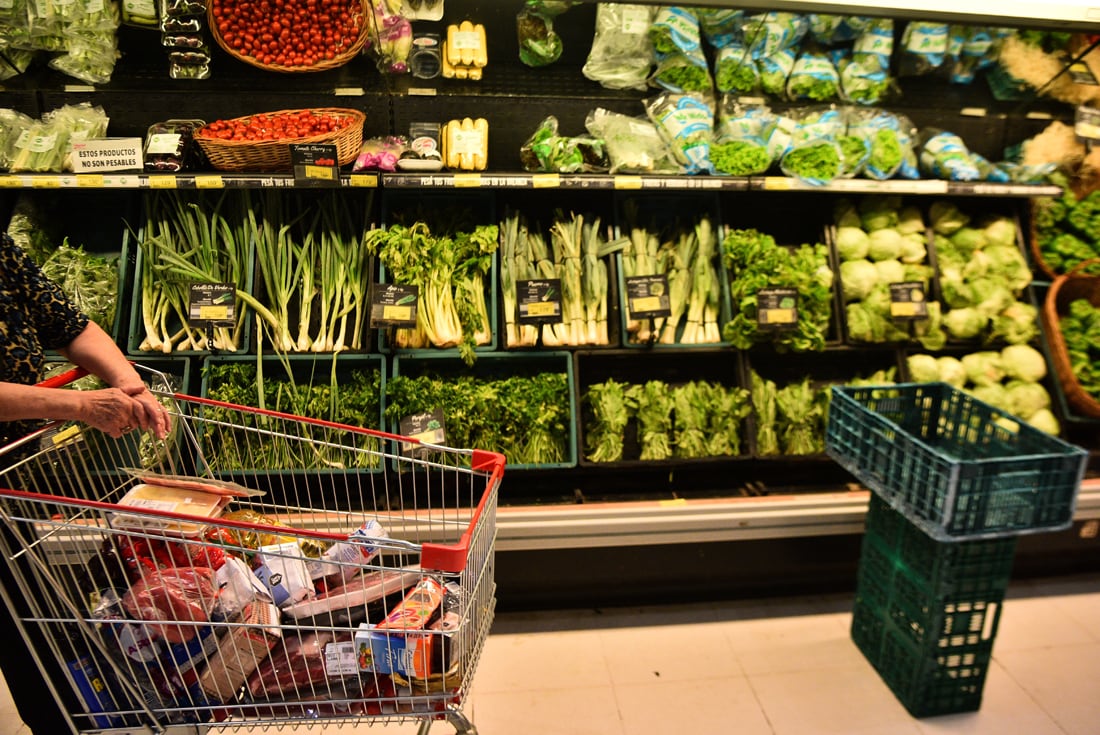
{"type": "Point", "coordinates": [290, 35]}
{"type": "Point", "coordinates": [261, 142]}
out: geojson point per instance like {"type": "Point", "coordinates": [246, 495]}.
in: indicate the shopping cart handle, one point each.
{"type": "Point", "coordinates": [63, 379]}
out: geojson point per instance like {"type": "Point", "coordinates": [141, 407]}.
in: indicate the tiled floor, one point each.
{"type": "Point", "coordinates": [782, 666]}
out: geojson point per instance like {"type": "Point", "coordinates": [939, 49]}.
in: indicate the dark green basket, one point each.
{"type": "Point", "coordinates": [955, 466]}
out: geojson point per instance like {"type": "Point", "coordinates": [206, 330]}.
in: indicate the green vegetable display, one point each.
{"type": "Point", "coordinates": [91, 281]}
{"type": "Point", "coordinates": [1008, 379]}
{"type": "Point", "coordinates": [1080, 327]}
{"type": "Point", "coordinates": [691, 420]}
{"type": "Point", "coordinates": [349, 397]}
{"type": "Point", "coordinates": [740, 158]}
{"type": "Point", "coordinates": [754, 261]}
{"type": "Point", "coordinates": [1067, 231]}
{"type": "Point", "coordinates": [818, 162]}
{"type": "Point", "coordinates": [526, 418]}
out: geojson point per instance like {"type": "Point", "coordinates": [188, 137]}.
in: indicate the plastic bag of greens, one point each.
{"type": "Point", "coordinates": [13, 124]}
{"type": "Point", "coordinates": [633, 144]}
{"type": "Point", "coordinates": [39, 148]}
{"type": "Point", "coordinates": [814, 77]}
{"type": "Point", "coordinates": [855, 145]}
{"type": "Point", "coordinates": [621, 54]}
{"type": "Point", "coordinates": [735, 71]}
{"type": "Point", "coordinates": [774, 71]}
{"type": "Point", "coordinates": [740, 146]}
{"type": "Point", "coordinates": [835, 29]}
{"type": "Point", "coordinates": [679, 73]}
{"type": "Point", "coordinates": [14, 61]}
{"type": "Point", "coordinates": [865, 74]}
{"type": "Point", "coordinates": [686, 122]}
{"type": "Point", "coordinates": [675, 32]}
{"type": "Point", "coordinates": [813, 154]}
{"type": "Point", "coordinates": [89, 58]}
{"type": "Point", "coordinates": [890, 138]}
{"type": "Point", "coordinates": [766, 34]}
{"type": "Point", "coordinates": [539, 45]}
{"type": "Point", "coordinates": [720, 26]}
{"type": "Point", "coordinates": [924, 47]}
{"type": "Point", "coordinates": [547, 150]}
{"type": "Point", "coordinates": [972, 49]}
{"type": "Point", "coordinates": [944, 155]}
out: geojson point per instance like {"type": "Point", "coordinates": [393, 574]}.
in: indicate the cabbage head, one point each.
{"type": "Point", "coordinates": [923, 368]}
{"type": "Point", "coordinates": [992, 393]}
{"type": "Point", "coordinates": [969, 239]}
{"type": "Point", "coordinates": [965, 323]}
{"type": "Point", "coordinates": [951, 370]}
{"type": "Point", "coordinates": [1024, 362]}
{"type": "Point", "coordinates": [890, 271]}
{"type": "Point", "coordinates": [946, 217]}
{"type": "Point", "coordinates": [886, 244]}
{"type": "Point", "coordinates": [1044, 420]}
{"type": "Point", "coordinates": [1018, 324]}
{"type": "Point", "coordinates": [913, 248]}
{"type": "Point", "coordinates": [857, 278]}
{"type": "Point", "coordinates": [852, 243]}
{"type": "Point", "coordinates": [1026, 399]}
{"type": "Point", "coordinates": [984, 368]}
{"type": "Point", "coordinates": [1001, 231]}
{"type": "Point", "coordinates": [910, 221]}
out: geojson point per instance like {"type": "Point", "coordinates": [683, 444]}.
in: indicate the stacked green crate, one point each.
{"type": "Point", "coordinates": [926, 611]}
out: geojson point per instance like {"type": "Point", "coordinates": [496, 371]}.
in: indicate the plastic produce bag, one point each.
{"type": "Point", "coordinates": [814, 155]}
{"type": "Point", "coordinates": [677, 43]}
{"type": "Point", "coordinates": [774, 71]}
{"type": "Point", "coordinates": [547, 150]}
{"type": "Point", "coordinates": [890, 138]}
{"type": "Point", "coordinates": [735, 70]}
{"type": "Point", "coordinates": [855, 146]}
{"type": "Point", "coordinates": [814, 77]}
{"type": "Point", "coordinates": [836, 29]}
{"type": "Point", "coordinates": [924, 48]}
{"type": "Point", "coordinates": [539, 45]}
{"type": "Point", "coordinates": [944, 155]}
{"type": "Point", "coordinates": [622, 54]}
{"type": "Point", "coordinates": [865, 74]}
{"type": "Point", "coordinates": [740, 146]}
{"type": "Point", "coordinates": [14, 61]}
{"type": "Point", "coordinates": [12, 126]}
{"type": "Point", "coordinates": [296, 665]}
{"type": "Point", "coordinates": [686, 122]}
{"type": "Point", "coordinates": [720, 26]}
{"type": "Point", "coordinates": [633, 144]}
{"type": "Point", "coordinates": [767, 34]}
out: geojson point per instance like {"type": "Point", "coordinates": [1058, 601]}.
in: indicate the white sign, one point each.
{"type": "Point", "coordinates": [107, 154]}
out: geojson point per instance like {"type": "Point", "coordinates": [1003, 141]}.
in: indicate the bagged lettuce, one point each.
{"type": "Point", "coordinates": [720, 26]}
{"type": "Point", "coordinates": [735, 71]}
{"type": "Point", "coordinates": [633, 144]}
{"type": "Point", "coordinates": [686, 122]}
{"type": "Point", "coordinates": [740, 146]}
{"type": "Point", "coordinates": [945, 156]}
{"type": "Point", "coordinates": [621, 56]}
{"type": "Point", "coordinates": [814, 154]}
{"type": "Point", "coordinates": [865, 73]}
{"type": "Point", "coordinates": [774, 72]}
{"type": "Point", "coordinates": [924, 48]}
{"type": "Point", "coordinates": [766, 34]}
{"type": "Point", "coordinates": [678, 45]}
{"type": "Point", "coordinates": [814, 77]}
{"type": "Point", "coordinates": [890, 139]}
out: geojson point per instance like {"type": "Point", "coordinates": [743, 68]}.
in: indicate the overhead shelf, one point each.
{"type": "Point", "coordinates": [1064, 15]}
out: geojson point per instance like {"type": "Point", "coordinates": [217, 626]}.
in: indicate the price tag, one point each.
{"type": "Point", "coordinates": [908, 301]}
{"type": "Point", "coordinates": [46, 182]}
{"type": "Point", "coordinates": [393, 305]}
{"type": "Point", "coordinates": [210, 181]}
{"type": "Point", "coordinates": [425, 427]}
{"type": "Point", "coordinates": [546, 181]}
{"type": "Point", "coordinates": [467, 181]}
{"type": "Point", "coordinates": [10, 182]}
{"type": "Point", "coordinates": [162, 182]}
{"type": "Point", "coordinates": [315, 164]}
{"type": "Point", "coordinates": [93, 181]}
{"type": "Point", "coordinates": [366, 181]}
{"type": "Point", "coordinates": [647, 297]}
{"type": "Point", "coordinates": [776, 308]}
{"type": "Point", "coordinates": [212, 305]}
{"type": "Point", "coordinates": [778, 183]}
{"type": "Point", "coordinates": [627, 183]}
{"type": "Point", "coordinates": [539, 301]}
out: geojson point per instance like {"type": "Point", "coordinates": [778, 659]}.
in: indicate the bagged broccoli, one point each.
{"type": "Point", "coordinates": [633, 144]}
{"type": "Point", "coordinates": [686, 122]}
{"type": "Point", "coordinates": [813, 154]}
{"type": "Point", "coordinates": [622, 54]}
{"type": "Point", "coordinates": [740, 146]}
{"type": "Point", "coordinates": [813, 77]}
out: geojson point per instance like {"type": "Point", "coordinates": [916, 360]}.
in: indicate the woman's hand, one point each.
{"type": "Point", "coordinates": [117, 411]}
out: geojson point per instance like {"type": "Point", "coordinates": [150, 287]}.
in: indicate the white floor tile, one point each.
{"type": "Point", "coordinates": [770, 645]}
{"type": "Point", "coordinates": [573, 711]}
{"type": "Point", "coordinates": [1063, 680]}
{"type": "Point", "coordinates": [540, 661]}
{"type": "Point", "coordinates": [716, 705]}
{"type": "Point", "coordinates": [643, 655]}
{"type": "Point", "coordinates": [1038, 622]}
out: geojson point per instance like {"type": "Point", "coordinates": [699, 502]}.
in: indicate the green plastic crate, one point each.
{"type": "Point", "coordinates": [955, 466]}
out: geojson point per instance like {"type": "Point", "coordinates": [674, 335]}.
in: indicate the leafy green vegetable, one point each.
{"type": "Point", "coordinates": [740, 158]}
{"type": "Point", "coordinates": [1080, 327]}
{"type": "Point", "coordinates": [91, 281]}
{"type": "Point", "coordinates": [652, 404]}
{"type": "Point", "coordinates": [817, 162]}
{"type": "Point", "coordinates": [607, 407]}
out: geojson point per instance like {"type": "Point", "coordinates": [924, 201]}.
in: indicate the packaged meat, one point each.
{"type": "Point", "coordinates": [174, 602]}
{"type": "Point", "coordinates": [296, 667]}
{"type": "Point", "coordinates": [351, 603]}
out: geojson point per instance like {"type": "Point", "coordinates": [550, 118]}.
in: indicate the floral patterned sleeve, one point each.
{"type": "Point", "coordinates": [51, 313]}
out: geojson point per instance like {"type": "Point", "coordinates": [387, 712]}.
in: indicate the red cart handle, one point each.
{"type": "Point", "coordinates": [63, 379]}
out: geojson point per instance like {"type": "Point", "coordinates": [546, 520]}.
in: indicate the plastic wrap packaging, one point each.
{"type": "Point", "coordinates": [774, 71]}
{"type": "Point", "coordinates": [865, 73]}
{"type": "Point", "coordinates": [924, 48]}
{"type": "Point", "coordinates": [855, 145]}
{"type": "Point", "coordinates": [539, 45]}
{"type": "Point", "coordinates": [735, 70]}
{"type": "Point", "coordinates": [720, 26]}
{"type": "Point", "coordinates": [769, 33]}
{"type": "Point", "coordinates": [813, 154]}
{"type": "Point", "coordinates": [831, 30]}
{"type": "Point", "coordinates": [944, 155]}
{"type": "Point", "coordinates": [13, 125]}
{"type": "Point", "coordinates": [14, 61]}
{"type": "Point", "coordinates": [677, 42]}
{"type": "Point", "coordinates": [686, 122]}
{"type": "Point", "coordinates": [548, 151]}
{"type": "Point", "coordinates": [170, 146]}
{"type": "Point", "coordinates": [380, 154]}
{"type": "Point", "coordinates": [814, 77]}
{"type": "Point", "coordinates": [740, 146]}
{"type": "Point", "coordinates": [171, 600]}
{"type": "Point", "coordinates": [890, 138]}
{"type": "Point", "coordinates": [622, 55]}
{"type": "Point", "coordinates": [633, 144]}
{"type": "Point", "coordinates": [296, 666]}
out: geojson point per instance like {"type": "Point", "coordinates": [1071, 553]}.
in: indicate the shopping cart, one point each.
{"type": "Point", "coordinates": [250, 568]}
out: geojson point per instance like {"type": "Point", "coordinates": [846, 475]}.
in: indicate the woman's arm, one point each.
{"type": "Point", "coordinates": [109, 410]}
{"type": "Point", "coordinates": [95, 351]}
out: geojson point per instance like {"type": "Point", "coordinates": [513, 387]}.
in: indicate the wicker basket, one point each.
{"type": "Point", "coordinates": [1063, 291]}
{"type": "Point", "coordinates": [274, 155]}
{"type": "Point", "coordinates": [338, 60]}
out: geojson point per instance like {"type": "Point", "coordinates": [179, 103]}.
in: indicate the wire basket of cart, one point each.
{"type": "Point", "coordinates": [251, 567]}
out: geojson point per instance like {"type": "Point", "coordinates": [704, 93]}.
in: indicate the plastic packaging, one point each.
{"type": "Point", "coordinates": [621, 55]}
{"type": "Point", "coordinates": [633, 144]}
{"type": "Point", "coordinates": [813, 154]}
{"type": "Point", "coordinates": [548, 151]}
{"type": "Point", "coordinates": [740, 146]}
{"type": "Point", "coordinates": [686, 122]}
{"type": "Point", "coordinates": [170, 146]}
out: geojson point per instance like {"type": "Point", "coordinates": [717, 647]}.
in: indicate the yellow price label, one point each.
{"type": "Point", "coordinates": [645, 303]}
{"type": "Point", "coordinates": [162, 182]}
{"type": "Point", "coordinates": [904, 308]}
{"type": "Point", "coordinates": [369, 181]}
{"type": "Point", "coordinates": [397, 313]}
{"type": "Point", "coordinates": [94, 181]}
{"type": "Point", "coordinates": [628, 182]}
{"type": "Point", "coordinates": [467, 180]}
{"type": "Point", "coordinates": [46, 182]}
{"type": "Point", "coordinates": [546, 181]}
{"type": "Point", "coordinates": [318, 172]}
{"type": "Point", "coordinates": [213, 313]}
{"type": "Point", "coordinates": [209, 182]}
{"type": "Point", "coordinates": [673, 502]}
{"type": "Point", "coordinates": [778, 183]}
{"type": "Point", "coordinates": [542, 308]}
{"type": "Point", "coordinates": [10, 182]}
{"type": "Point", "coordinates": [779, 316]}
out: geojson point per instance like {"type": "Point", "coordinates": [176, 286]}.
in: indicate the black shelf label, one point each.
{"type": "Point", "coordinates": [426, 427]}
{"type": "Point", "coordinates": [776, 309]}
{"type": "Point", "coordinates": [908, 301]}
{"type": "Point", "coordinates": [393, 305]}
{"type": "Point", "coordinates": [539, 301]}
{"type": "Point", "coordinates": [647, 297]}
{"type": "Point", "coordinates": [212, 305]}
